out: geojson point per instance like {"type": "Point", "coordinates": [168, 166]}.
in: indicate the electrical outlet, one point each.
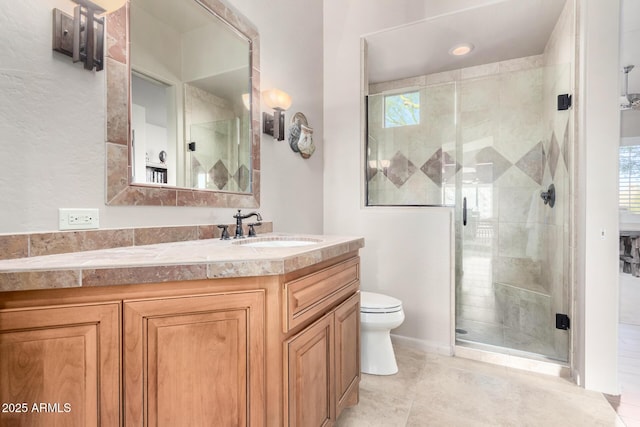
{"type": "Point", "coordinates": [78, 219]}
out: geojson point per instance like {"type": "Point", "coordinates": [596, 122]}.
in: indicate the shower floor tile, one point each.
{"type": "Point", "coordinates": [483, 332]}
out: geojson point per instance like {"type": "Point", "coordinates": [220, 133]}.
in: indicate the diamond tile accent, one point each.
{"type": "Point", "coordinates": [440, 167]}
{"type": "Point", "coordinates": [450, 167]}
{"type": "Point", "coordinates": [242, 177]}
{"type": "Point", "coordinates": [489, 165]}
{"type": "Point", "coordinates": [553, 155]}
{"type": "Point", "coordinates": [371, 171]}
{"type": "Point", "coordinates": [533, 163]}
{"type": "Point", "coordinates": [219, 174]}
{"type": "Point", "coordinates": [196, 169]}
{"type": "Point", "coordinates": [400, 169]}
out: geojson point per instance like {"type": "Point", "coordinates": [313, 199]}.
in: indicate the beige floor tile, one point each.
{"type": "Point", "coordinates": [376, 408]}
{"type": "Point", "coordinates": [425, 415]}
{"type": "Point", "coordinates": [435, 390]}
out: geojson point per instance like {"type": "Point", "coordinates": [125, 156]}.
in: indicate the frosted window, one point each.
{"type": "Point", "coordinates": [402, 109]}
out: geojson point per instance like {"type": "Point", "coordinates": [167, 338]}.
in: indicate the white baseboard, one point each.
{"type": "Point", "coordinates": [427, 346]}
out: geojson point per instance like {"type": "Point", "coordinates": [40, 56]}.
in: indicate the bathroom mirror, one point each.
{"type": "Point", "coordinates": [182, 105]}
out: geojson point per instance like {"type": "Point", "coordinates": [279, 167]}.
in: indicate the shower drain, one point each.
{"type": "Point", "coordinates": [460, 331]}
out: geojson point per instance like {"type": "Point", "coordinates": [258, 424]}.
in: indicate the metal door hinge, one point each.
{"type": "Point", "coordinates": [562, 321]}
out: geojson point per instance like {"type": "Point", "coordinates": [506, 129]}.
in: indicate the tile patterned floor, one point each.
{"type": "Point", "coordinates": [434, 390]}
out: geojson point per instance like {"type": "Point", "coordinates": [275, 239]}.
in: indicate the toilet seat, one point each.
{"type": "Point", "coordinates": [371, 302]}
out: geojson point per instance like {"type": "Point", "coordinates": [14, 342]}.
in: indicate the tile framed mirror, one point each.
{"type": "Point", "coordinates": [183, 103]}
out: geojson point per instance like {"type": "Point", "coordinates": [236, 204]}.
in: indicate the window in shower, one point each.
{"type": "Point", "coordinates": [629, 173]}
{"type": "Point", "coordinates": [402, 109]}
{"type": "Point", "coordinates": [411, 158]}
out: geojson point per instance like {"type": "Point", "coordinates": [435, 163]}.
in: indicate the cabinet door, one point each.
{"type": "Point", "coordinates": [347, 329]}
{"type": "Point", "coordinates": [309, 375]}
{"type": "Point", "coordinates": [60, 366]}
{"type": "Point", "coordinates": [195, 361]}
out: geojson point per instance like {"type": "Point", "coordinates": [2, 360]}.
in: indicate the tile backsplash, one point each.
{"type": "Point", "coordinates": [14, 246]}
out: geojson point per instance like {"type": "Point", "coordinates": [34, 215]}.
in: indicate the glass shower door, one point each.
{"type": "Point", "coordinates": [510, 260]}
{"type": "Point", "coordinates": [215, 159]}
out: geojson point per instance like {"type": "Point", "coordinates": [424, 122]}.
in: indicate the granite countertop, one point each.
{"type": "Point", "coordinates": [189, 260]}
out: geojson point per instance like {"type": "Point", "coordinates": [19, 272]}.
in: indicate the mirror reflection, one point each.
{"type": "Point", "coordinates": [190, 85]}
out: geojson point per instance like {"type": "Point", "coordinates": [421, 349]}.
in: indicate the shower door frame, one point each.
{"type": "Point", "coordinates": [568, 253]}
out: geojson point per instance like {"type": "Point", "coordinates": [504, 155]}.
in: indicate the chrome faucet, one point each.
{"type": "Point", "coordinates": [239, 217]}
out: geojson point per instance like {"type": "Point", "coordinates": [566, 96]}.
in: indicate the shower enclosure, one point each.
{"type": "Point", "coordinates": [216, 158]}
{"type": "Point", "coordinates": [218, 141]}
{"type": "Point", "coordinates": [489, 140]}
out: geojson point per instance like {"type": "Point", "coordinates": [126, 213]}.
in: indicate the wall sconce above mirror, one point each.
{"type": "Point", "coordinates": [183, 79]}
{"type": "Point", "coordinates": [81, 36]}
{"type": "Point", "coordinates": [273, 124]}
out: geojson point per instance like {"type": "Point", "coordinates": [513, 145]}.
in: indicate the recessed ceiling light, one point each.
{"type": "Point", "coordinates": [461, 49]}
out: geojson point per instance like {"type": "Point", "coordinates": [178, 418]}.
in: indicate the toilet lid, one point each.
{"type": "Point", "coordinates": [371, 302]}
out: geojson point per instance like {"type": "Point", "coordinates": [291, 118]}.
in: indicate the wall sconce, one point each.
{"type": "Point", "coordinates": [280, 101]}
{"type": "Point", "coordinates": [81, 36]}
{"type": "Point", "coordinates": [246, 101]}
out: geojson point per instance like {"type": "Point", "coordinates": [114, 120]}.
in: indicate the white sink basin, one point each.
{"type": "Point", "coordinates": [277, 243]}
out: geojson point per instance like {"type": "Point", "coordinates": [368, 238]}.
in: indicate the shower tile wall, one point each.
{"type": "Point", "coordinates": [502, 141]}
{"type": "Point", "coordinates": [558, 58]}
{"type": "Point", "coordinates": [512, 143]}
{"type": "Point", "coordinates": [410, 165]}
{"type": "Point", "coordinates": [209, 121]}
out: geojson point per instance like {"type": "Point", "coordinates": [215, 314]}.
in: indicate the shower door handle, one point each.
{"type": "Point", "coordinates": [464, 211]}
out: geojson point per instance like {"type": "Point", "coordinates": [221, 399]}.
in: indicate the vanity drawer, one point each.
{"type": "Point", "coordinates": [313, 294]}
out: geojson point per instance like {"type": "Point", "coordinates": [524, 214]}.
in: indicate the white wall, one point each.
{"type": "Point", "coordinates": [345, 23]}
{"type": "Point", "coordinates": [406, 258]}
{"type": "Point", "coordinates": [596, 325]}
{"type": "Point", "coordinates": [52, 127]}
{"type": "Point", "coordinates": [291, 60]}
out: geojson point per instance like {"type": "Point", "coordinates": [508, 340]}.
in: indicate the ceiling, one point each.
{"type": "Point", "coordinates": [227, 80]}
{"type": "Point", "coordinates": [503, 30]}
{"type": "Point", "coordinates": [179, 15]}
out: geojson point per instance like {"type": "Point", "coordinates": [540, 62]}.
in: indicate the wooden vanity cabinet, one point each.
{"type": "Point", "coordinates": [347, 353]}
{"type": "Point", "coordinates": [60, 366]}
{"type": "Point", "coordinates": [322, 361]}
{"type": "Point", "coordinates": [195, 361]}
{"type": "Point", "coordinates": [278, 350]}
{"type": "Point", "coordinates": [309, 384]}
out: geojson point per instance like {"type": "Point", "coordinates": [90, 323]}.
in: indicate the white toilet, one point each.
{"type": "Point", "coordinates": [378, 315]}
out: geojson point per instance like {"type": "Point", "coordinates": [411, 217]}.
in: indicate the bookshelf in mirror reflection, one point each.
{"type": "Point", "coordinates": [157, 174]}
